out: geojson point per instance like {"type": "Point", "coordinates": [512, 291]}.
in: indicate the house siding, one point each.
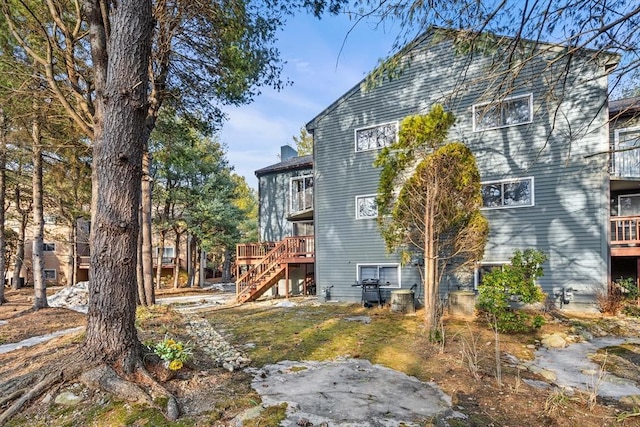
{"type": "Point", "coordinates": [569, 219]}
{"type": "Point", "coordinates": [274, 199]}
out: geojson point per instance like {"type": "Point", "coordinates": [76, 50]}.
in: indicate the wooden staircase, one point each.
{"type": "Point", "coordinates": [266, 273]}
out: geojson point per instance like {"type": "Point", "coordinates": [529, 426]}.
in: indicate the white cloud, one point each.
{"type": "Point", "coordinates": [322, 70]}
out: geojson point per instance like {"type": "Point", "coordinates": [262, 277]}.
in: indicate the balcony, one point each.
{"type": "Point", "coordinates": [625, 238]}
{"type": "Point", "coordinates": [625, 159]}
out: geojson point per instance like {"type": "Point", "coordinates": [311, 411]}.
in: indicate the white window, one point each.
{"type": "Point", "coordinates": [366, 207]}
{"type": "Point", "coordinates": [515, 110]}
{"type": "Point", "coordinates": [511, 193]}
{"type": "Point", "coordinates": [375, 137]}
{"type": "Point", "coordinates": [50, 219]}
{"type": "Point", "coordinates": [168, 252]}
{"type": "Point", "coordinates": [626, 155]}
{"type": "Point", "coordinates": [629, 205]}
{"type": "Point", "coordinates": [483, 269]}
{"type": "Point", "coordinates": [388, 275]}
{"type": "Point", "coordinates": [301, 193]}
{"type": "Point", "coordinates": [49, 247]}
{"type": "Point", "coordinates": [50, 274]}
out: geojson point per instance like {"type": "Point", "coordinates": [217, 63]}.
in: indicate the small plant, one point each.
{"type": "Point", "coordinates": [555, 401]}
{"type": "Point", "coordinates": [629, 310]}
{"type": "Point", "coordinates": [174, 353]}
{"type": "Point", "coordinates": [514, 281]}
{"type": "Point", "coordinates": [627, 286]}
{"type": "Point", "coordinates": [470, 352]}
{"type": "Point", "coordinates": [593, 387]}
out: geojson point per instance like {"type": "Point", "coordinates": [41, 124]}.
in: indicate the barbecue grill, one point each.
{"type": "Point", "coordinates": [370, 292]}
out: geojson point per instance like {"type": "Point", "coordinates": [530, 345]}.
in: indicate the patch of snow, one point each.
{"type": "Point", "coordinates": [285, 304]}
{"type": "Point", "coordinates": [573, 368]}
{"type": "Point", "coordinates": [72, 297]}
{"type": "Point", "coordinates": [5, 348]}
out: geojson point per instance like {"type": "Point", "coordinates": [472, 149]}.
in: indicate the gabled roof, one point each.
{"type": "Point", "coordinates": [293, 163]}
{"type": "Point", "coordinates": [613, 61]}
{"type": "Point", "coordinates": [622, 107]}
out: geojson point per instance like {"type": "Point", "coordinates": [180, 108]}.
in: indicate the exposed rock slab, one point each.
{"type": "Point", "coordinates": [350, 392]}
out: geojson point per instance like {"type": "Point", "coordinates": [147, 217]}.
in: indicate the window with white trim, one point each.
{"type": "Point", "coordinates": [388, 275]}
{"type": "Point", "coordinates": [511, 111]}
{"type": "Point", "coordinates": [376, 137]}
{"type": "Point", "coordinates": [508, 193]}
{"type": "Point", "coordinates": [48, 247]}
{"type": "Point", "coordinates": [168, 252]}
{"type": "Point", "coordinates": [50, 274]}
{"type": "Point", "coordinates": [366, 206]}
{"type": "Point", "coordinates": [49, 219]}
{"type": "Point", "coordinates": [483, 269]}
{"type": "Point", "coordinates": [301, 192]}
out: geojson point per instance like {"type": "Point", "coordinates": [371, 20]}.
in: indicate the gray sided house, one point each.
{"type": "Point", "coordinates": [535, 134]}
{"type": "Point", "coordinates": [539, 129]}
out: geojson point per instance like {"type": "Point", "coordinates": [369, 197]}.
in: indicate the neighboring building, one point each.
{"type": "Point", "coordinates": [59, 263]}
{"type": "Point", "coordinates": [543, 159]}
{"type": "Point", "coordinates": [58, 253]}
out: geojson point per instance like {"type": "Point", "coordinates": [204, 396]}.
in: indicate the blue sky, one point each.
{"type": "Point", "coordinates": [320, 72]}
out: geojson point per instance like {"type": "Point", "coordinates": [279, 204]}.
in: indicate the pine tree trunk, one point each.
{"type": "Point", "coordinates": [190, 260]}
{"type": "Point", "coordinates": [160, 257]}
{"type": "Point", "coordinates": [226, 266]}
{"type": "Point", "coordinates": [176, 267]}
{"type": "Point", "coordinates": [19, 261]}
{"type": "Point", "coordinates": [71, 254]}
{"type": "Point", "coordinates": [3, 193]}
{"type": "Point", "coordinates": [120, 55]}
{"type": "Point", "coordinates": [197, 265]}
{"type": "Point", "coordinates": [147, 240]}
{"type": "Point", "coordinates": [39, 285]}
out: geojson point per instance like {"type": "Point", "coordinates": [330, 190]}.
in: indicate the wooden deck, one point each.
{"type": "Point", "coordinates": [625, 235]}
{"type": "Point", "coordinates": [261, 265]}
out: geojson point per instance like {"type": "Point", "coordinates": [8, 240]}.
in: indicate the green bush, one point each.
{"type": "Point", "coordinates": [627, 287]}
{"type": "Point", "coordinates": [513, 282]}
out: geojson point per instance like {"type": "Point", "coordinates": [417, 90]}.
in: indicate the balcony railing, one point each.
{"type": "Point", "coordinates": [624, 230]}
{"type": "Point", "coordinates": [84, 261]}
{"type": "Point", "coordinates": [248, 252]}
{"type": "Point", "coordinates": [626, 164]}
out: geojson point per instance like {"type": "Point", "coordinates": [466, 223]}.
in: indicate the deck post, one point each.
{"type": "Point", "coordinates": [286, 282]}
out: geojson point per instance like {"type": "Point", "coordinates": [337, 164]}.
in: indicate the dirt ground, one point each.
{"type": "Point", "coordinates": [212, 396]}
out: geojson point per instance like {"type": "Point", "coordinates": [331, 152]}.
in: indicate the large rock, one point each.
{"type": "Point", "coordinates": [556, 340]}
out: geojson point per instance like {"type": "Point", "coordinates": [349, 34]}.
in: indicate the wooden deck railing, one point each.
{"type": "Point", "coordinates": [624, 230]}
{"type": "Point", "coordinates": [84, 261]}
{"type": "Point", "coordinates": [260, 273]}
{"type": "Point", "coordinates": [247, 252]}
